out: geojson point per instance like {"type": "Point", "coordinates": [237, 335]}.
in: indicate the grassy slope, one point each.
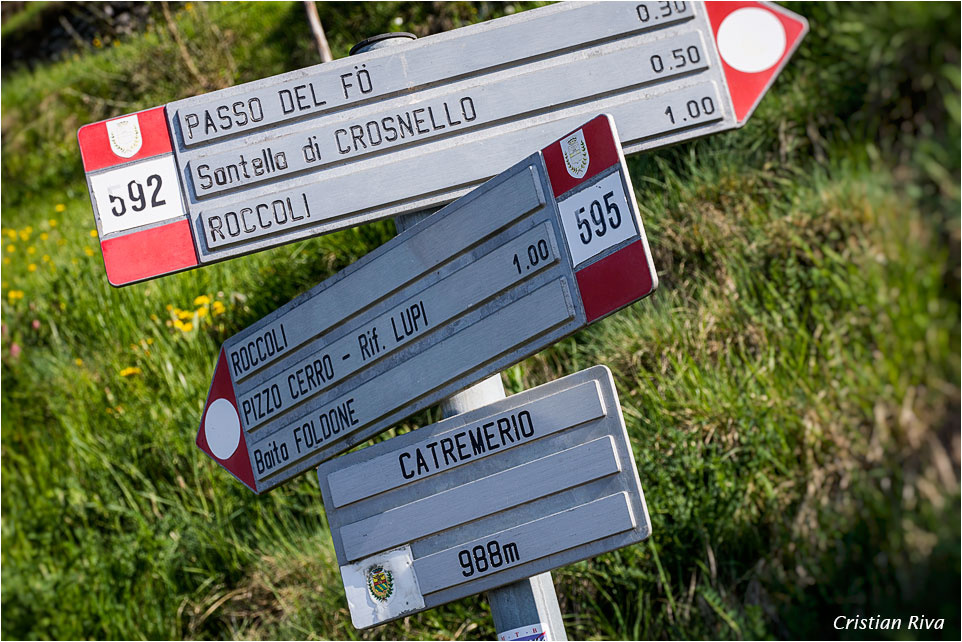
{"type": "Point", "coordinates": [792, 390]}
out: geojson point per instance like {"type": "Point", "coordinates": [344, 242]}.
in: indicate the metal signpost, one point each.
{"type": "Point", "coordinates": [494, 497]}
{"type": "Point", "coordinates": [261, 164]}
{"type": "Point", "coordinates": [537, 253]}
{"type": "Point", "coordinates": [535, 481]}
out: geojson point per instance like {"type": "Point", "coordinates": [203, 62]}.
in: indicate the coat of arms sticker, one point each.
{"type": "Point", "coordinates": [575, 152]}
{"type": "Point", "coordinates": [124, 136]}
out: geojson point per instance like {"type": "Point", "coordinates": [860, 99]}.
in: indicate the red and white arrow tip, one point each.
{"type": "Point", "coordinates": [221, 435]}
{"type": "Point", "coordinates": [755, 41]}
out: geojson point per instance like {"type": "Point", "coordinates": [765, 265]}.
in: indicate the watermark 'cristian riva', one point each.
{"type": "Point", "coordinates": [915, 622]}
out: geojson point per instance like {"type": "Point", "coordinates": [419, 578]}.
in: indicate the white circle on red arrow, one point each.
{"type": "Point", "coordinates": [222, 427]}
{"type": "Point", "coordinates": [751, 40]}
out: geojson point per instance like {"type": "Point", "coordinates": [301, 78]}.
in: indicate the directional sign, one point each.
{"type": "Point", "coordinates": [402, 129]}
{"type": "Point", "coordinates": [535, 254]}
{"type": "Point", "coordinates": [536, 481]}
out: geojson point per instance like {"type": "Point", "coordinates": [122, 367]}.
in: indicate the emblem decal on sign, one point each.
{"type": "Point", "coordinates": [575, 152]}
{"type": "Point", "coordinates": [124, 135]}
{"type": "Point", "coordinates": [380, 582]}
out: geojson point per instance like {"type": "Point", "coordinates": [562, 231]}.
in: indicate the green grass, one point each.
{"type": "Point", "coordinates": [791, 391]}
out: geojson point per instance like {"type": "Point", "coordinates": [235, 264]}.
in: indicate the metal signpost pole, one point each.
{"type": "Point", "coordinates": [531, 602]}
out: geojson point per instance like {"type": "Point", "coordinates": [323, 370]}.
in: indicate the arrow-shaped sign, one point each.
{"type": "Point", "coordinates": [402, 129]}
{"type": "Point", "coordinates": [535, 254]}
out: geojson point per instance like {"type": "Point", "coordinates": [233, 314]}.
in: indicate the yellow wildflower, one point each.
{"type": "Point", "coordinates": [78, 361]}
{"type": "Point", "coordinates": [154, 317]}
{"type": "Point", "coordinates": [44, 236]}
{"type": "Point", "coordinates": [126, 372]}
{"type": "Point", "coordinates": [11, 248]}
{"type": "Point", "coordinates": [203, 299]}
{"type": "Point", "coordinates": [169, 307]}
{"type": "Point", "coordinates": [6, 260]}
{"type": "Point", "coordinates": [218, 308]}
{"type": "Point", "coordinates": [12, 234]}
{"type": "Point", "coordinates": [32, 267]}
{"type": "Point", "coordinates": [59, 207]}
{"type": "Point", "coordinates": [45, 258]}
{"type": "Point", "coordinates": [53, 222]}
{"type": "Point", "coordinates": [13, 295]}
{"type": "Point", "coordinates": [185, 314]}
{"type": "Point", "coordinates": [188, 327]}
{"type": "Point", "coordinates": [25, 233]}
{"type": "Point", "coordinates": [93, 233]}
{"type": "Point", "coordinates": [97, 43]}
{"type": "Point", "coordinates": [150, 342]}
{"type": "Point", "coordinates": [31, 250]}
{"type": "Point", "coordinates": [89, 251]}
{"type": "Point", "coordinates": [201, 313]}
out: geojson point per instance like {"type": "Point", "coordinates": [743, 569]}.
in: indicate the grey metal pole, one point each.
{"type": "Point", "coordinates": [533, 601]}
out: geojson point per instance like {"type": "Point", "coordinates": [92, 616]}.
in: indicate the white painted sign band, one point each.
{"type": "Point", "coordinates": [594, 218]}
{"type": "Point", "coordinates": [137, 195]}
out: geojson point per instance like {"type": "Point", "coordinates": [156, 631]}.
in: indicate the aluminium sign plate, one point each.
{"type": "Point", "coordinates": [254, 166]}
{"type": "Point", "coordinates": [521, 486]}
{"type": "Point", "coordinates": [535, 254]}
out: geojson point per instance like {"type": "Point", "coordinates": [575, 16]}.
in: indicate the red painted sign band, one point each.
{"type": "Point", "coordinates": [126, 139]}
